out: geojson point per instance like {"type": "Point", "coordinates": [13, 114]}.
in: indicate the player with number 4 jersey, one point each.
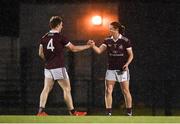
{"type": "Point", "coordinates": [53, 44]}
{"type": "Point", "coordinates": [51, 48]}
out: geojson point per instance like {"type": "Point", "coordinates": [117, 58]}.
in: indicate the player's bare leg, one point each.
{"type": "Point", "coordinates": [127, 96]}
{"type": "Point", "coordinates": [65, 85]}
{"type": "Point", "coordinates": [48, 85]}
{"type": "Point", "coordinates": [109, 85]}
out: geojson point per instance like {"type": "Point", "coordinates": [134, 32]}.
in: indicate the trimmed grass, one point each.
{"type": "Point", "coordinates": [90, 119]}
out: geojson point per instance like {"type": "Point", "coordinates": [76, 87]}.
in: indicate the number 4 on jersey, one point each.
{"type": "Point", "coordinates": [50, 45]}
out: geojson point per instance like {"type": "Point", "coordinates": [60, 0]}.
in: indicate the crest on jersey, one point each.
{"type": "Point", "coordinates": [115, 45]}
{"type": "Point", "coordinates": [121, 47]}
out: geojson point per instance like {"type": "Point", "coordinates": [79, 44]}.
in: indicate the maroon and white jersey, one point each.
{"type": "Point", "coordinates": [53, 44]}
{"type": "Point", "coordinates": [117, 51]}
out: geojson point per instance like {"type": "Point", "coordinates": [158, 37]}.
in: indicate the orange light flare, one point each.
{"type": "Point", "coordinates": [95, 26]}
{"type": "Point", "coordinates": [97, 20]}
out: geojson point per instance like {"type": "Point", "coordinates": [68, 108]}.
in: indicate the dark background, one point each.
{"type": "Point", "coordinates": [152, 26]}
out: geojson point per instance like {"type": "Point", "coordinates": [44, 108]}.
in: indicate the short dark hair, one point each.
{"type": "Point", "coordinates": [119, 26]}
{"type": "Point", "coordinates": [55, 21]}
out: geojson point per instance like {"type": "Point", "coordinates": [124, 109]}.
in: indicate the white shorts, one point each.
{"type": "Point", "coordinates": [58, 73]}
{"type": "Point", "coordinates": [117, 75]}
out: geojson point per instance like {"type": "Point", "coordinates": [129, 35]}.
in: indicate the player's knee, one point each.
{"type": "Point", "coordinates": [125, 91]}
{"type": "Point", "coordinates": [50, 88]}
{"type": "Point", "coordinates": [67, 90]}
{"type": "Point", "coordinates": [47, 89]}
{"type": "Point", "coordinates": [109, 91]}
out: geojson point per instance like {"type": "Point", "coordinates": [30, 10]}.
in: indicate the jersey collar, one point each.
{"type": "Point", "coordinates": [53, 31]}
{"type": "Point", "coordinates": [120, 36]}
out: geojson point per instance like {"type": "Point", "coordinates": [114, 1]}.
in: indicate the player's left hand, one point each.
{"type": "Point", "coordinates": [125, 67]}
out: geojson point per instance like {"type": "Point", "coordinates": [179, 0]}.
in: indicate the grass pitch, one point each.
{"type": "Point", "coordinates": [90, 119]}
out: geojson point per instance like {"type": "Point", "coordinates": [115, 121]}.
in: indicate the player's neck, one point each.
{"type": "Point", "coordinates": [116, 36]}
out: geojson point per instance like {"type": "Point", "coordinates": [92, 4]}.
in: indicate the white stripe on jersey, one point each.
{"type": "Point", "coordinates": [104, 45]}
{"type": "Point", "coordinates": [129, 48]}
{"type": "Point", "coordinates": [68, 44]}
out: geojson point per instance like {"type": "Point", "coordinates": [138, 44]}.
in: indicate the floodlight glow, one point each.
{"type": "Point", "coordinates": [96, 20]}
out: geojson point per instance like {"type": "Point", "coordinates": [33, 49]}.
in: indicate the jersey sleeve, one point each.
{"type": "Point", "coordinates": [65, 41]}
{"type": "Point", "coordinates": [128, 44]}
{"type": "Point", "coordinates": [40, 42]}
{"type": "Point", "coordinates": [104, 43]}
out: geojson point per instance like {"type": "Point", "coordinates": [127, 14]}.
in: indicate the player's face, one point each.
{"type": "Point", "coordinates": [112, 30]}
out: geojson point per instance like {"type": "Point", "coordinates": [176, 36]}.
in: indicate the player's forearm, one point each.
{"type": "Point", "coordinates": [130, 58]}
{"type": "Point", "coordinates": [42, 56]}
{"type": "Point", "coordinates": [41, 53]}
{"type": "Point", "coordinates": [97, 49]}
{"type": "Point", "coordinates": [80, 48]}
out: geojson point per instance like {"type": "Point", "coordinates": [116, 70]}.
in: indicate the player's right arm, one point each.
{"type": "Point", "coordinates": [98, 50]}
{"type": "Point", "coordinates": [72, 47]}
{"type": "Point", "coordinates": [78, 48]}
{"type": "Point", "coordinates": [41, 53]}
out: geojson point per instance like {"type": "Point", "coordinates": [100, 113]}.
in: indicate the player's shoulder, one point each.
{"type": "Point", "coordinates": [43, 38]}
{"type": "Point", "coordinates": [45, 35]}
{"type": "Point", "coordinates": [125, 39]}
{"type": "Point", "coordinates": [62, 36]}
{"type": "Point", "coordinates": [107, 38]}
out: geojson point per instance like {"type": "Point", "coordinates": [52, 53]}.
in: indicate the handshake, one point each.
{"type": "Point", "coordinates": [98, 50]}
{"type": "Point", "coordinates": [91, 43]}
